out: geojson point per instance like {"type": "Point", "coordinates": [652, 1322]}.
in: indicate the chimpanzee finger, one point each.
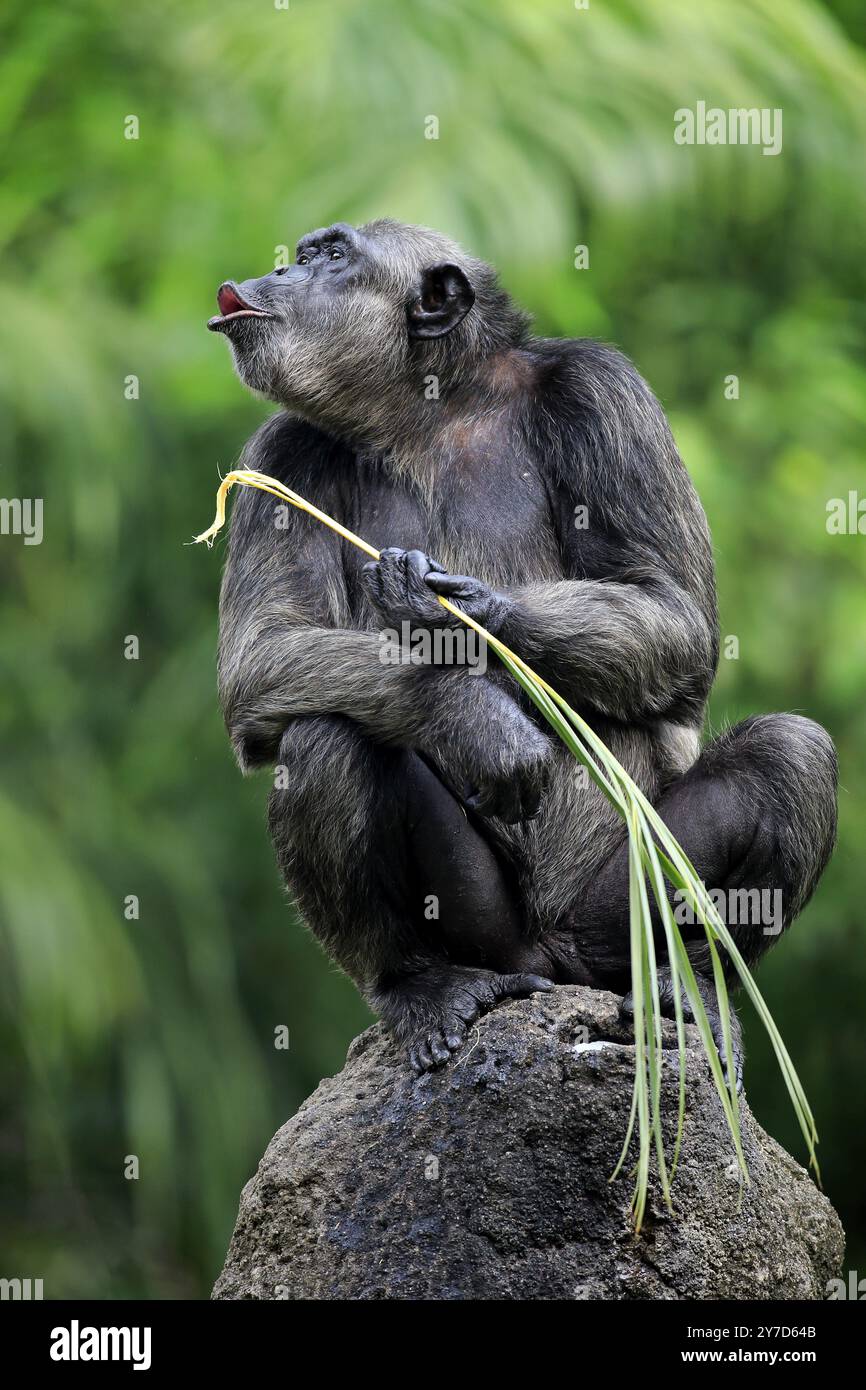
{"type": "Point", "coordinates": [516, 986]}
{"type": "Point", "coordinates": [482, 803]}
{"type": "Point", "coordinates": [448, 584]}
{"type": "Point", "coordinates": [498, 802]}
{"type": "Point", "coordinates": [421, 564]}
{"type": "Point", "coordinates": [417, 567]}
{"type": "Point", "coordinates": [394, 591]}
{"type": "Point", "coordinates": [530, 803]}
{"type": "Point", "coordinates": [371, 577]}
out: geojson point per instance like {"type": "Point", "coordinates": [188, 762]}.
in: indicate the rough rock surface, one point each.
{"type": "Point", "coordinates": [489, 1179]}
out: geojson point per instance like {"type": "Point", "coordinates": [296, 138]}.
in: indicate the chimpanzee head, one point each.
{"type": "Point", "coordinates": [349, 336]}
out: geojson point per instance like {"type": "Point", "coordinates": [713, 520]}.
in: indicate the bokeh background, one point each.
{"type": "Point", "coordinates": [155, 1037]}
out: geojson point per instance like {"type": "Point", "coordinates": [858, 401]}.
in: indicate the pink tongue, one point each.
{"type": "Point", "coordinates": [228, 300]}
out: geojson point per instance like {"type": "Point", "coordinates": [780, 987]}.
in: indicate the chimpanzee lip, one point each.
{"type": "Point", "coordinates": [233, 306]}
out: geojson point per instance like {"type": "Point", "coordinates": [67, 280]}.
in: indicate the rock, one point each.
{"type": "Point", "coordinates": [489, 1179]}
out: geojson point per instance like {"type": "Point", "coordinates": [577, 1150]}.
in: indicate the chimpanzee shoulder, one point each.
{"type": "Point", "coordinates": [610, 452]}
{"type": "Point", "coordinates": [594, 395]}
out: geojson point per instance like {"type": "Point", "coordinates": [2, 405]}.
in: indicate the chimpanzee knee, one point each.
{"type": "Point", "coordinates": [756, 816]}
{"type": "Point", "coordinates": [783, 771]}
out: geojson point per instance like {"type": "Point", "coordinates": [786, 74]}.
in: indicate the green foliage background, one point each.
{"type": "Point", "coordinates": [155, 1037]}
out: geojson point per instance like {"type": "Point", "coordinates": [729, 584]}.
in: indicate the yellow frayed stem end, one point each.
{"type": "Point", "coordinates": [250, 478]}
{"type": "Point", "coordinates": [219, 521]}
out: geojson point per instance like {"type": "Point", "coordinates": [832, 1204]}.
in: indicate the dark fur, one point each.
{"type": "Point", "coordinates": [619, 616]}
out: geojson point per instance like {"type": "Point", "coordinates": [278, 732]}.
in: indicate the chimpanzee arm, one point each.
{"type": "Point", "coordinates": [633, 631]}
{"type": "Point", "coordinates": [273, 673]}
{"type": "Point", "coordinates": [629, 650]}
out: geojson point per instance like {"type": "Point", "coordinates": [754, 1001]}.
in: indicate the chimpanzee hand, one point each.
{"type": "Point", "coordinates": [396, 588]}
{"type": "Point", "coordinates": [516, 795]}
{"type": "Point", "coordinates": [402, 586]}
{"type": "Point", "coordinates": [476, 598]}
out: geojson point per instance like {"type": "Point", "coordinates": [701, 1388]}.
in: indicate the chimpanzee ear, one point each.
{"type": "Point", "coordinates": [442, 300]}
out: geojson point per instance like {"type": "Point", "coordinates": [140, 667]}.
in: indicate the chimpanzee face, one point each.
{"type": "Point", "coordinates": [344, 319]}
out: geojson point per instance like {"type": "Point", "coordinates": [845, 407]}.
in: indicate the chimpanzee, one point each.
{"type": "Point", "coordinates": [445, 847]}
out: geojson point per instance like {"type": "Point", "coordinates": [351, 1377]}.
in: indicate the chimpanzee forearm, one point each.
{"type": "Point", "coordinates": [627, 650]}
{"type": "Point", "coordinates": [631, 650]}
{"type": "Point", "coordinates": [445, 713]}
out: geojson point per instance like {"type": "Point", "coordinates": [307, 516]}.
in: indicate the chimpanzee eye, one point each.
{"type": "Point", "coordinates": [303, 260]}
{"type": "Point", "coordinates": [336, 256]}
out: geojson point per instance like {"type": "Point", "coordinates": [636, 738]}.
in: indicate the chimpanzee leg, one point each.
{"type": "Point", "coordinates": [756, 815]}
{"type": "Point", "coordinates": [454, 871]}
{"type": "Point", "coordinates": [397, 883]}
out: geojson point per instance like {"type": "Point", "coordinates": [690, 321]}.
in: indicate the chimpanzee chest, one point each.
{"type": "Point", "coordinates": [480, 515]}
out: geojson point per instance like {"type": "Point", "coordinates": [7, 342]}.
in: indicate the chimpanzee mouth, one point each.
{"type": "Point", "coordinates": [232, 307]}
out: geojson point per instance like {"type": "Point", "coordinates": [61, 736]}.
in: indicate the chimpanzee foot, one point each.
{"type": "Point", "coordinates": [433, 1010]}
{"type": "Point", "coordinates": [708, 995]}
{"type": "Point", "coordinates": [470, 994]}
